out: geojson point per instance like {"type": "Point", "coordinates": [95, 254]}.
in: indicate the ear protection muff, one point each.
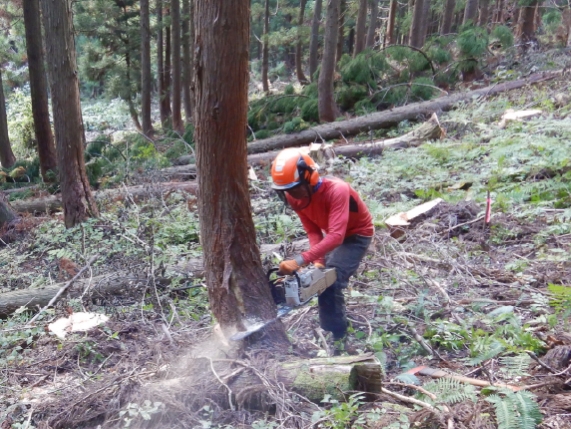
{"type": "Point", "coordinates": [307, 174]}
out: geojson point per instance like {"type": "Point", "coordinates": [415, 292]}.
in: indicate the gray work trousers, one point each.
{"type": "Point", "coordinates": [345, 259]}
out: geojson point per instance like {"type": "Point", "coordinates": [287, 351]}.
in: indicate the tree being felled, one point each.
{"type": "Point", "coordinates": [236, 283]}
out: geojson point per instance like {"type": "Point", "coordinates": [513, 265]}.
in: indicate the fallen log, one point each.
{"type": "Point", "coordinates": [117, 283]}
{"type": "Point", "coordinates": [429, 130]}
{"type": "Point", "coordinates": [257, 386]}
{"type": "Point", "coordinates": [53, 203]}
{"type": "Point", "coordinates": [386, 119]}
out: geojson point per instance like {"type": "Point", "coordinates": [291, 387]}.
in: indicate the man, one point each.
{"type": "Point", "coordinates": [337, 222]}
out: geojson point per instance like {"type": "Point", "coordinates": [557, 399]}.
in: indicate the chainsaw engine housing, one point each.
{"type": "Point", "coordinates": [299, 288]}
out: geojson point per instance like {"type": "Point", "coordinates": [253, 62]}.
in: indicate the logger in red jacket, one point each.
{"type": "Point", "coordinates": [337, 222]}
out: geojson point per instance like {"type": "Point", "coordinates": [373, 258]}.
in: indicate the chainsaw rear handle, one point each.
{"type": "Point", "coordinates": [277, 271]}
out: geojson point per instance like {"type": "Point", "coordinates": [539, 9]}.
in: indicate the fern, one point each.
{"type": "Point", "coordinates": [514, 366]}
{"type": "Point", "coordinates": [516, 410]}
{"type": "Point", "coordinates": [451, 391]}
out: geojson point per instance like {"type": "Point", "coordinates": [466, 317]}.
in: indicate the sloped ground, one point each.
{"type": "Point", "coordinates": [453, 294]}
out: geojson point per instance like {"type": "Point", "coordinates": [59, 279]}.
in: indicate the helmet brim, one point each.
{"type": "Point", "coordinates": [285, 187]}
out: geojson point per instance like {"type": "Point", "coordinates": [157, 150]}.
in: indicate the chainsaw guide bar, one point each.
{"type": "Point", "coordinates": [291, 292]}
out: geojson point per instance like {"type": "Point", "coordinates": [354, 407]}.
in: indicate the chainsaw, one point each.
{"type": "Point", "coordinates": [289, 292]}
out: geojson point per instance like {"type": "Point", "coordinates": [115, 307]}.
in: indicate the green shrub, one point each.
{"type": "Point", "coordinates": [309, 111]}
{"type": "Point", "coordinates": [310, 90]}
{"type": "Point", "coordinates": [439, 55]}
{"type": "Point", "coordinates": [504, 35]}
{"type": "Point", "coordinates": [296, 124]}
{"type": "Point", "coordinates": [472, 43]}
{"type": "Point", "coordinates": [363, 107]}
{"type": "Point", "coordinates": [421, 91]}
{"type": "Point", "coordinates": [289, 90]}
{"type": "Point", "coordinates": [262, 134]}
{"type": "Point", "coordinates": [364, 69]}
{"type": "Point", "coordinates": [348, 95]}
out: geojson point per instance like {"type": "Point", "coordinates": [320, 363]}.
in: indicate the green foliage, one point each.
{"type": "Point", "coordinates": [310, 111]}
{"type": "Point", "coordinates": [364, 69]}
{"type": "Point", "coordinates": [515, 366]}
{"type": "Point", "coordinates": [423, 88]}
{"type": "Point", "coordinates": [295, 125]}
{"type": "Point", "coordinates": [472, 44]}
{"type": "Point", "coordinates": [349, 95]}
{"type": "Point", "coordinates": [340, 415]}
{"type": "Point", "coordinates": [449, 391]}
{"type": "Point", "coordinates": [561, 300]}
{"type": "Point", "coordinates": [516, 410]}
{"type": "Point", "coordinates": [504, 35]}
{"type": "Point", "coordinates": [20, 122]}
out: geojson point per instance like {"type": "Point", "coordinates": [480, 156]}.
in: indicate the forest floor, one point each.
{"type": "Point", "coordinates": [480, 301]}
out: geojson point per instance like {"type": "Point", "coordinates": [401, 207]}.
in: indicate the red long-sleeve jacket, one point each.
{"type": "Point", "coordinates": [336, 210]}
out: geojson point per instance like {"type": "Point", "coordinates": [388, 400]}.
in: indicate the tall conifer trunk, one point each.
{"type": "Point", "coordinates": [298, 54]}
{"type": "Point", "coordinates": [373, 25]}
{"type": "Point", "coordinates": [7, 158]}
{"type": "Point", "coordinates": [393, 10]}
{"type": "Point", "coordinates": [186, 60]}
{"type": "Point", "coordinates": [177, 124]}
{"type": "Point", "coordinates": [266, 48]}
{"type": "Point", "coordinates": [360, 28]}
{"type": "Point", "coordinates": [146, 69]}
{"type": "Point", "coordinates": [314, 42]}
{"type": "Point", "coordinates": [326, 102]}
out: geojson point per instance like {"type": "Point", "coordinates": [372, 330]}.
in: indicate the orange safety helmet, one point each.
{"type": "Point", "coordinates": [292, 168]}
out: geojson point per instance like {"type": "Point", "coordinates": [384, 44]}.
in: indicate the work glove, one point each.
{"type": "Point", "coordinates": [288, 267]}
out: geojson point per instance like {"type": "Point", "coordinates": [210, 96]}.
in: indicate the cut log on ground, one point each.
{"type": "Point", "coordinates": [398, 223]}
{"type": "Point", "coordinates": [258, 386]}
{"type": "Point", "coordinates": [117, 283]}
{"type": "Point", "coordinates": [388, 118]}
{"type": "Point", "coordinates": [53, 203]}
{"type": "Point", "coordinates": [429, 130]}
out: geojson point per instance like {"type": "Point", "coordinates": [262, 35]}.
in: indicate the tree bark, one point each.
{"type": "Point", "coordinates": [360, 28]}
{"type": "Point", "coordinates": [425, 21]}
{"type": "Point", "coordinates": [167, 74]}
{"type": "Point", "coordinates": [326, 103]}
{"type": "Point", "coordinates": [484, 14]}
{"type": "Point", "coordinates": [265, 48]}
{"type": "Point", "coordinates": [236, 282]}
{"type": "Point", "coordinates": [386, 119]}
{"type": "Point", "coordinates": [414, 36]}
{"type": "Point", "coordinates": [298, 54]}
{"type": "Point", "coordinates": [526, 24]}
{"type": "Point", "coordinates": [177, 124]}
{"type": "Point", "coordinates": [342, 9]}
{"type": "Point", "coordinates": [164, 104]}
{"type": "Point", "coordinates": [373, 25]}
{"type": "Point", "coordinates": [470, 11]}
{"type": "Point", "coordinates": [393, 11]}
{"type": "Point", "coordinates": [7, 158]}
{"type": "Point", "coordinates": [129, 95]}
{"type": "Point", "coordinates": [147, 125]}
{"type": "Point", "coordinates": [39, 91]}
{"type": "Point", "coordinates": [314, 41]}
{"type": "Point", "coordinates": [186, 60]}
{"type": "Point", "coordinates": [78, 203]}
{"type": "Point", "coordinates": [7, 213]}
{"type": "Point", "coordinates": [447, 17]}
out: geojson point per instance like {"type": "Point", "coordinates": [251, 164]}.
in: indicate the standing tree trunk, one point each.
{"type": "Point", "coordinates": [146, 69]}
{"type": "Point", "coordinates": [7, 158]}
{"type": "Point", "coordinates": [470, 11]}
{"type": "Point", "coordinates": [373, 23]}
{"type": "Point", "coordinates": [7, 214]}
{"type": "Point", "coordinates": [393, 10]}
{"type": "Point", "coordinates": [326, 102]}
{"type": "Point", "coordinates": [341, 36]}
{"type": "Point", "coordinates": [425, 21]}
{"type": "Point", "coordinates": [447, 16]}
{"type": "Point", "coordinates": [78, 203]}
{"type": "Point", "coordinates": [265, 48]}
{"type": "Point", "coordinates": [484, 14]}
{"type": "Point", "coordinates": [298, 56]}
{"type": "Point", "coordinates": [360, 30]}
{"type": "Point", "coordinates": [39, 90]}
{"type": "Point", "coordinates": [167, 73]}
{"type": "Point", "coordinates": [129, 95]}
{"type": "Point", "coordinates": [177, 124]}
{"type": "Point", "coordinates": [237, 287]}
{"type": "Point", "coordinates": [526, 24]}
{"type": "Point", "coordinates": [163, 104]}
{"type": "Point", "coordinates": [186, 60]}
{"type": "Point", "coordinates": [314, 41]}
{"type": "Point", "coordinates": [414, 36]}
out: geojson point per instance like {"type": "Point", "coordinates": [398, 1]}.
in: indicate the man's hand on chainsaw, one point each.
{"type": "Point", "coordinates": [288, 267]}
{"type": "Point", "coordinates": [319, 265]}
